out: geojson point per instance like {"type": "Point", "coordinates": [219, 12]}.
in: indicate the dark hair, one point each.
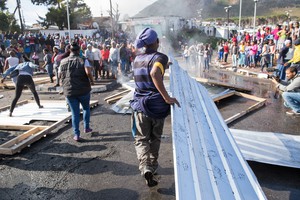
{"type": "Point", "coordinates": [293, 69]}
{"type": "Point", "coordinates": [75, 46]}
{"type": "Point", "coordinates": [26, 59]}
{"type": "Point", "coordinates": [46, 50]}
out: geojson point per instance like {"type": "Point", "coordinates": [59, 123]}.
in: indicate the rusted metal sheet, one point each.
{"type": "Point", "coordinates": [208, 163]}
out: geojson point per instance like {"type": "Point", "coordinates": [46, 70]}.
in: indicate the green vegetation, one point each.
{"type": "Point", "coordinates": [57, 14]}
{"type": "Point", "coordinates": [8, 21]}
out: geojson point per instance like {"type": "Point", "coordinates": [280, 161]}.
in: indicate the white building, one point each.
{"type": "Point", "coordinates": [163, 25]}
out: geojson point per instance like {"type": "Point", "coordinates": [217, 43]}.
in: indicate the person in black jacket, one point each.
{"type": "Point", "coordinates": [76, 76]}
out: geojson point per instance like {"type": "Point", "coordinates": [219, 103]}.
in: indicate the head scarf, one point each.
{"type": "Point", "coordinates": [146, 37]}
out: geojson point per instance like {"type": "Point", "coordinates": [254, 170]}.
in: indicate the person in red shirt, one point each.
{"type": "Point", "coordinates": [247, 37]}
{"type": "Point", "coordinates": [226, 51]}
{"type": "Point", "coordinates": [104, 60]}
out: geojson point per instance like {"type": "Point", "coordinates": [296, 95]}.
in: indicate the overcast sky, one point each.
{"type": "Point", "coordinates": [130, 7]}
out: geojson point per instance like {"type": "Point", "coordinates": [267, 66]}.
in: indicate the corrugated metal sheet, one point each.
{"type": "Point", "coordinates": [267, 147]}
{"type": "Point", "coordinates": [208, 163]}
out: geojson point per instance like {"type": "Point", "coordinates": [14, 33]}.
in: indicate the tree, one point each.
{"type": "Point", "coordinates": [8, 22]}
{"type": "Point", "coordinates": [57, 14]}
{"type": "Point", "coordinates": [79, 13]}
{"type": "Point", "coordinates": [46, 2]}
{"type": "Point", "coordinates": [4, 25]}
{"type": "Point", "coordinates": [3, 5]}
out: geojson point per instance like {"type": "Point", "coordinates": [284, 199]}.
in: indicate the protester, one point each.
{"type": "Point", "coordinates": [48, 65]}
{"type": "Point", "coordinates": [24, 78]}
{"type": "Point", "coordinates": [291, 91]}
{"type": "Point", "coordinates": [76, 76]}
{"type": "Point", "coordinates": [150, 104]}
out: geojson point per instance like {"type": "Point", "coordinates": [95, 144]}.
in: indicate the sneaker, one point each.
{"type": "Point", "coordinates": [41, 106]}
{"type": "Point", "coordinates": [76, 138]}
{"type": "Point", "coordinates": [149, 179]}
{"type": "Point", "coordinates": [88, 130]}
{"type": "Point", "coordinates": [291, 112]}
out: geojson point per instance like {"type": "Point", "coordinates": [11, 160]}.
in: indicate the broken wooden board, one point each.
{"type": "Point", "coordinates": [270, 148]}
{"type": "Point", "coordinates": [27, 111]}
{"type": "Point", "coordinates": [259, 103]}
{"type": "Point", "coordinates": [207, 162]}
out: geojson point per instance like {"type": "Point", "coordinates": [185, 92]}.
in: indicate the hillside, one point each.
{"type": "Point", "coordinates": [215, 8]}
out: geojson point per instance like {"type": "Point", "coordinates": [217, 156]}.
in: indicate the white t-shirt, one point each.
{"type": "Point", "coordinates": [97, 54]}
{"type": "Point", "coordinates": [12, 61]}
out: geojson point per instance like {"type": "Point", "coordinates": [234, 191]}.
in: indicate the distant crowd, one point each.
{"type": "Point", "coordinates": [107, 56]}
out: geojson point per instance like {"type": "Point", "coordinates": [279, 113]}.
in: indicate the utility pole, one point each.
{"type": "Point", "coordinates": [112, 20]}
{"type": "Point", "coordinates": [240, 15]}
{"type": "Point", "coordinates": [68, 18]}
{"type": "Point", "coordinates": [20, 16]}
{"type": "Point", "coordinates": [227, 9]}
{"type": "Point", "coordinates": [254, 20]}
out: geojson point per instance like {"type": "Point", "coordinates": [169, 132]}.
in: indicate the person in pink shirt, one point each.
{"type": "Point", "coordinates": [258, 35]}
{"type": "Point", "coordinates": [252, 53]}
{"type": "Point", "coordinates": [275, 35]}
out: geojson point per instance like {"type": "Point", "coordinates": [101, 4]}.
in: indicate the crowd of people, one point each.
{"type": "Point", "coordinates": [265, 48]}
{"type": "Point", "coordinates": [198, 56]}
{"type": "Point", "coordinates": [107, 57]}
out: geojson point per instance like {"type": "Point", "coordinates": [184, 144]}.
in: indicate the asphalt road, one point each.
{"type": "Point", "coordinates": [104, 166]}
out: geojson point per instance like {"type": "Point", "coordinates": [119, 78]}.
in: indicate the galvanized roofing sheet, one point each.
{"type": "Point", "coordinates": [208, 163]}
{"type": "Point", "coordinates": [267, 147]}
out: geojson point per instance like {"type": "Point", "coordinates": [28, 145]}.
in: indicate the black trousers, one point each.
{"type": "Point", "coordinates": [97, 69]}
{"type": "Point", "coordinates": [23, 80]}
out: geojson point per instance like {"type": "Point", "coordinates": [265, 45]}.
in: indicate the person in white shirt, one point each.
{"type": "Point", "coordinates": [97, 59]}
{"type": "Point", "coordinates": [10, 62]}
{"type": "Point", "coordinates": [114, 59]}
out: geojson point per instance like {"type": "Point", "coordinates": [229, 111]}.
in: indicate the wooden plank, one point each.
{"type": "Point", "coordinates": [115, 95]}
{"type": "Point", "coordinates": [19, 127]}
{"type": "Point", "coordinates": [229, 94]}
{"type": "Point", "coordinates": [33, 138]}
{"type": "Point", "coordinates": [240, 114]}
{"type": "Point", "coordinates": [6, 151]}
{"type": "Point", "coordinates": [21, 137]}
{"type": "Point", "coordinates": [115, 99]}
{"type": "Point", "coordinates": [33, 134]}
{"type": "Point", "coordinates": [248, 96]}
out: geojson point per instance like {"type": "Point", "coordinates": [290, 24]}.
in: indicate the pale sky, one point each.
{"type": "Point", "coordinates": [31, 12]}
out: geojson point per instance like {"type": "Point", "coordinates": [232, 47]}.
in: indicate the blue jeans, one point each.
{"type": "Point", "coordinates": [74, 102]}
{"type": "Point", "coordinates": [292, 100]}
{"type": "Point", "coordinates": [234, 60]}
{"type": "Point", "coordinates": [206, 63]}
{"type": "Point", "coordinates": [124, 63]}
